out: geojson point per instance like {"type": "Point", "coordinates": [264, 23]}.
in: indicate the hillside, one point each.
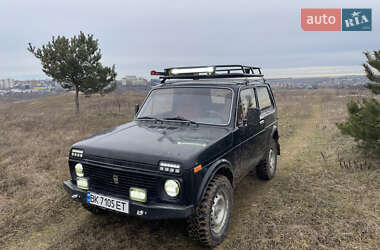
{"type": "Point", "coordinates": [325, 194]}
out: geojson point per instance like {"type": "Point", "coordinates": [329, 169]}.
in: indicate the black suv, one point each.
{"type": "Point", "coordinates": [195, 137]}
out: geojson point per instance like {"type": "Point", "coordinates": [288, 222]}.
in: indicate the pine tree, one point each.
{"type": "Point", "coordinates": [75, 64]}
{"type": "Point", "coordinates": [373, 64]}
{"type": "Point", "coordinates": [363, 123]}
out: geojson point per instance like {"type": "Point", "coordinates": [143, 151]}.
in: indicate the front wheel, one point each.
{"type": "Point", "coordinates": [267, 168]}
{"type": "Point", "coordinates": [210, 222]}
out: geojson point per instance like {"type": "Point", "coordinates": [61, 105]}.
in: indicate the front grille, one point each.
{"type": "Point", "coordinates": [101, 179]}
{"type": "Point", "coordinates": [118, 162]}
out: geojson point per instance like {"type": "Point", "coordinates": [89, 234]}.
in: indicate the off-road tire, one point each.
{"type": "Point", "coordinates": [94, 210]}
{"type": "Point", "coordinates": [264, 170]}
{"type": "Point", "coordinates": [199, 225]}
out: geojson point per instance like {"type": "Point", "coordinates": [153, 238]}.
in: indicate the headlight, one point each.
{"type": "Point", "coordinates": [79, 170]}
{"type": "Point", "coordinates": [172, 188]}
{"type": "Point", "coordinates": [170, 167]}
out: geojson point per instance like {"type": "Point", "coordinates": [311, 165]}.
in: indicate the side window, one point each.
{"type": "Point", "coordinates": [263, 98]}
{"type": "Point", "coordinates": [246, 100]}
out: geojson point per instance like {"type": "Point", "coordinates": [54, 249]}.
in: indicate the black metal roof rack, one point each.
{"type": "Point", "coordinates": [209, 72]}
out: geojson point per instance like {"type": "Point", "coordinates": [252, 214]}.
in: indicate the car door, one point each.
{"type": "Point", "coordinates": [246, 136]}
{"type": "Point", "coordinates": [267, 116]}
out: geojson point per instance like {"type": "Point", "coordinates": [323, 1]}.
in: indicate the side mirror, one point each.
{"type": "Point", "coordinates": [253, 116]}
{"type": "Point", "coordinates": [137, 107]}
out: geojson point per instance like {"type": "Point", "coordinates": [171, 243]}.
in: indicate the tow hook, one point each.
{"type": "Point", "coordinates": [75, 196]}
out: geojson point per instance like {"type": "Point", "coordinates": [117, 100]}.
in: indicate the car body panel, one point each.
{"type": "Point", "coordinates": [149, 142]}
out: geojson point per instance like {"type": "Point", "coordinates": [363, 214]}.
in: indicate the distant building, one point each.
{"type": "Point", "coordinates": [7, 83]}
{"type": "Point", "coordinates": [47, 87]}
{"type": "Point", "coordinates": [140, 82]}
{"type": "Point", "coordinates": [133, 81]}
{"type": "Point", "coordinates": [127, 80]}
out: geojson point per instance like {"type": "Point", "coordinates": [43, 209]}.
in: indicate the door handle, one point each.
{"type": "Point", "coordinates": [262, 122]}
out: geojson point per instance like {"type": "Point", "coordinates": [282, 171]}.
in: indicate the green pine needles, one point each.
{"type": "Point", "coordinates": [363, 123]}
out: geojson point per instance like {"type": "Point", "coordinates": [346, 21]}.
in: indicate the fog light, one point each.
{"type": "Point", "coordinates": [137, 194]}
{"type": "Point", "coordinates": [79, 170]}
{"type": "Point", "coordinates": [171, 188]}
{"type": "Point", "coordinates": [82, 183]}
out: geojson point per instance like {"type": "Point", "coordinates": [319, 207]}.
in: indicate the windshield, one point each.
{"type": "Point", "coordinates": [201, 105]}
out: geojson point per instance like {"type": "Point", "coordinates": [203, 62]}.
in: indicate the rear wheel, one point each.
{"type": "Point", "coordinates": [266, 170]}
{"type": "Point", "coordinates": [210, 222]}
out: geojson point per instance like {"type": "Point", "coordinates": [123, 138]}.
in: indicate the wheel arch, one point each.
{"type": "Point", "coordinates": [221, 166]}
{"type": "Point", "coordinates": [275, 135]}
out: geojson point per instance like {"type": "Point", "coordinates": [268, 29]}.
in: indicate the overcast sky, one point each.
{"type": "Point", "coordinates": [139, 35]}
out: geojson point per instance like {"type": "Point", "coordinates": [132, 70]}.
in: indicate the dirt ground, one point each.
{"type": "Point", "coordinates": [325, 194]}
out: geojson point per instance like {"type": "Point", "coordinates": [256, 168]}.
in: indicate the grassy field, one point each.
{"type": "Point", "coordinates": [325, 195]}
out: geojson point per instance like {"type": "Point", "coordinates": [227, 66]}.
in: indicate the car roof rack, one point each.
{"type": "Point", "coordinates": [209, 72]}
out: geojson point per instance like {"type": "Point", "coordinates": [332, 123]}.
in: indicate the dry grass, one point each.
{"type": "Point", "coordinates": [313, 202]}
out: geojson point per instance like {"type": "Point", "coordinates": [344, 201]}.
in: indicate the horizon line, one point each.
{"type": "Point", "coordinates": [270, 73]}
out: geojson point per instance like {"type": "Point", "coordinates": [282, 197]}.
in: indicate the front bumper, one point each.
{"type": "Point", "coordinates": [154, 212]}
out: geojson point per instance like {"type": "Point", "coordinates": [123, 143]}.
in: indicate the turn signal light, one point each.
{"type": "Point", "coordinates": [197, 168]}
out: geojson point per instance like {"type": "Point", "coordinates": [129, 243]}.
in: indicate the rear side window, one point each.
{"type": "Point", "coordinates": [263, 98]}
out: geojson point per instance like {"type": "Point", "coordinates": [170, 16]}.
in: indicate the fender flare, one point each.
{"type": "Point", "coordinates": [212, 170]}
{"type": "Point", "coordinates": [274, 130]}
{"type": "Point", "coordinates": [272, 135]}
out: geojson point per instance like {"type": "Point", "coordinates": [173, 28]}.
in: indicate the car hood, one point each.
{"type": "Point", "coordinates": [149, 142]}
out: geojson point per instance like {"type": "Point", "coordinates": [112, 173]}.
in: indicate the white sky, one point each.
{"type": "Point", "coordinates": [138, 36]}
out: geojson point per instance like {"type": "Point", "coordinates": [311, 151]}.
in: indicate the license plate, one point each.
{"type": "Point", "coordinates": [108, 202]}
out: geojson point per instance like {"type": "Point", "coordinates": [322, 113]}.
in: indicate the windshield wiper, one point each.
{"type": "Point", "coordinates": [179, 118]}
{"type": "Point", "coordinates": [149, 118]}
